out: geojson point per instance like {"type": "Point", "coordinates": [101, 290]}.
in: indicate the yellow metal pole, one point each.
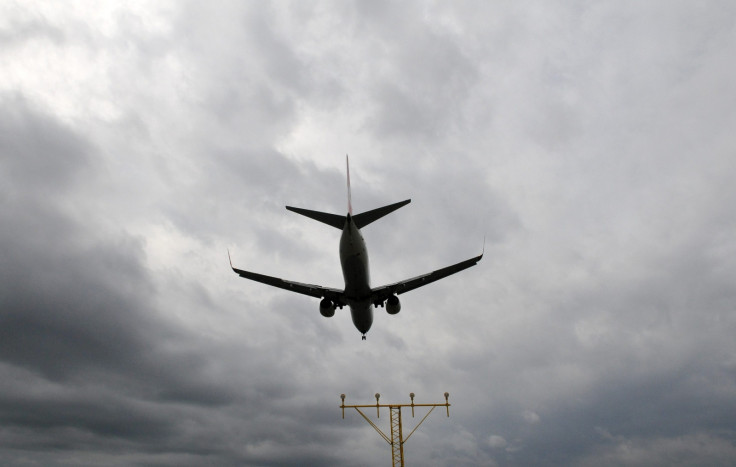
{"type": "Point", "coordinates": [397, 442]}
{"type": "Point", "coordinates": [401, 439]}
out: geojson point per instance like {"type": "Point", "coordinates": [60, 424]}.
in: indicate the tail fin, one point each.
{"type": "Point", "coordinates": [361, 220]}
{"type": "Point", "coordinates": [350, 198]}
{"type": "Point", "coordinates": [365, 218]}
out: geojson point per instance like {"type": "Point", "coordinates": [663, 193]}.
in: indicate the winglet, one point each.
{"type": "Point", "coordinates": [229, 258]}
{"type": "Point", "coordinates": [350, 201]}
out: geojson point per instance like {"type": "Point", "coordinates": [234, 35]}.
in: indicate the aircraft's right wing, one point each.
{"type": "Point", "coordinates": [317, 291]}
{"type": "Point", "coordinates": [380, 294]}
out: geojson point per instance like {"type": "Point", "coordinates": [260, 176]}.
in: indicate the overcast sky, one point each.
{"type": "Point", "coordinates": [592, 144]}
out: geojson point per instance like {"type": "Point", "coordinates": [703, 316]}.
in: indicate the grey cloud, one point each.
{"type": "Point", "coordinates": [39, 156]}
{"type": "Point", "coordinates": [30, 27]}
{"type": "Point", "coordinates": [696, 449]}
{"type": "Point", "coordinates": [590, 144]}
{"type": "Point", "coordinates": [59, 312]}
{"type": "Point", "coordinates": [425, 87]}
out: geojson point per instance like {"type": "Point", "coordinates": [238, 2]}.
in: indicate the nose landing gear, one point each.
{"type": "Point", "coordinates": [363, 338]}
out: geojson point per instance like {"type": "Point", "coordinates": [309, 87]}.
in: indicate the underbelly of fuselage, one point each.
{"type": "Point", "coordinates": [354, 261]}
{"type": "Point", "coordinates": [356, 273]}
{"type": "Point", "coordinates": [357, 279]}
{"type": "Point", "coordinates": [362, 315]}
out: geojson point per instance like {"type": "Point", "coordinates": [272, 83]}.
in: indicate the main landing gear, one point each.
{"type": "Point", "coordinates": [363, 337]}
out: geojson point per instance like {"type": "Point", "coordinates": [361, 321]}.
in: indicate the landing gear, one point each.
{"type": "Point", "coordinates": [363, 337]}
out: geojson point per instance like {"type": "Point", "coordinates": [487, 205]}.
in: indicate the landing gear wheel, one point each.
{"type": "Point", "coordinates": [363, 337]}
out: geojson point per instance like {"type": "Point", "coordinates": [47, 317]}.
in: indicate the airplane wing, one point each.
{"type": "Point", "coordinates": [316, 291]}
{"type": "Point", "coordinates": [380, 294]}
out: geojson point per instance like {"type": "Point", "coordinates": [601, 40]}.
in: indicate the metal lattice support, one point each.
{"type": "Point", "coordinates": [397, 443]}
{"type": "Point", "coordinates": [396, 440]}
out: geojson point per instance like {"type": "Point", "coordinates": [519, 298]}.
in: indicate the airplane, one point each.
{"type": "Point", "coordinates": [358, 295]}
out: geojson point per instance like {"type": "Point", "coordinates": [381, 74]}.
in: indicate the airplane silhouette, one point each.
{"type": "Point", "coordinates": [358, 294]}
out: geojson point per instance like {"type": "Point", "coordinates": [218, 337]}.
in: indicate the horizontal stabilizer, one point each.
{"type": "Point", "coordinates": [365, 218]}
{"type": "Point", "coordinates": [334, 220]}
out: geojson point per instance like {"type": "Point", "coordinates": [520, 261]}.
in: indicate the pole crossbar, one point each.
{"type": "Point", "coordinates": [388, 406]}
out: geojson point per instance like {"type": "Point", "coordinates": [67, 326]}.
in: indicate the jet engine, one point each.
{"type": "Point", "coordinates": [326, 308]}
{"type": "Point", "coordinates": [393, 305]}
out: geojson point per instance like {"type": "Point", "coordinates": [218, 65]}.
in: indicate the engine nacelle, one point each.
{"type": "Point", "coordinates": [393, 305]}
{"type": "Point", "coordinates": [326, 308]}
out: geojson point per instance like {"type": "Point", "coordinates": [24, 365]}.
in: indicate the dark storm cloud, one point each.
{"type": "Point", "coordinates": [70, 307]}
{"type": "Point", "coordinates": [65, 293]}
{"type": "Point", "coordinates": [74, 306]}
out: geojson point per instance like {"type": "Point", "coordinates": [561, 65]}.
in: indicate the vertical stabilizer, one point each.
{"type": "Point", "coordinates": [350, 200]}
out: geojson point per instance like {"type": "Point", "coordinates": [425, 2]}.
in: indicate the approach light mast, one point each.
{"type": "Point", "coordinates": [396, 440]}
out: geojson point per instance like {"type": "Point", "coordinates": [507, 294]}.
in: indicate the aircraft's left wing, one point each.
{"type": "Point", "coordinates": [306, 289]}
{"type": "Point", "coordinates": [380, 294]}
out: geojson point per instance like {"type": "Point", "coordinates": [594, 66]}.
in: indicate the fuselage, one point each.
{"type": "Point", "coordinates": [355, 271]}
